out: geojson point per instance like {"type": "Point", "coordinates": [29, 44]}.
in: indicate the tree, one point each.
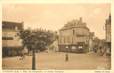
{"type": "Point", "coordinates": [36, 40]}
{"type": "Point", "coordinates": [40, 39]}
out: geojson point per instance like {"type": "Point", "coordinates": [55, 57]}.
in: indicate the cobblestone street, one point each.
{"type": "Point", "coordinates": [57, 61]}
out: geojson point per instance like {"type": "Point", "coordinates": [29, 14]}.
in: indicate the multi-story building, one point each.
{"type": "Point", "coordinates": [11, 42]}
{"type": "Point", "coordinates": [108, 32]}
{"type": "Point", "coordinates": [74, 37]}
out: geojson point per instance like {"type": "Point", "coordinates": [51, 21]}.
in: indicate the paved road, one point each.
{"type": "Point", "coordinates": [57, 61]}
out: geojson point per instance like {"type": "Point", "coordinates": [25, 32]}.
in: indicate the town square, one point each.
{"type": "Point", "coordinates": [56, 36]}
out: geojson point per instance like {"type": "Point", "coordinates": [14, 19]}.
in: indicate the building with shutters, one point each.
{"type": "Point", "coordinates": [75, 36]}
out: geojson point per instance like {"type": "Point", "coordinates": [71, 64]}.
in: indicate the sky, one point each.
{"type": "Point", "coordinates": [54, 16]}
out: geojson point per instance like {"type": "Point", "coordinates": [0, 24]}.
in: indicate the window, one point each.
{"type": "Point", "coordinates": [73, 32]}
{"type": "Point", "coordinates": [7, 38]}
{"type": "Point", "coordinates": [64, 39]}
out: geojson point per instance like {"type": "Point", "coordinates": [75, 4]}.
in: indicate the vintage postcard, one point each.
{"type": "Point", "coordinates": [56, 37]}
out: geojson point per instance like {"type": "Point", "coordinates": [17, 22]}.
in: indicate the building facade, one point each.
{"type": "Point", "coordinates": [108, 33]}
{"type": "Point", "coordinates": [74, 37]}
{"type": "Point", "coordinates": [11, 42]}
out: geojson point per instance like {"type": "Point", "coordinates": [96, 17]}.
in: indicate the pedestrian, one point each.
{"type": "Point", "coordinates": [101, 51]}
{"type": "Point", "coordinates": [66, 57]}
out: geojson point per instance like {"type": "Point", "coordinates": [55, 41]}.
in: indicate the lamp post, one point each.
{"type": "Point", "coordinates": [33, 60]}
{"type": "Point", "coordinates": [33, 51]}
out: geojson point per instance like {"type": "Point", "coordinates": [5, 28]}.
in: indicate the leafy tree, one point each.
{"type": "Point", "coordinates": [36, 40]}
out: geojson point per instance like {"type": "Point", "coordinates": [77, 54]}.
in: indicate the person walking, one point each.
{"type": "Point", "coordinates": [66, 57]}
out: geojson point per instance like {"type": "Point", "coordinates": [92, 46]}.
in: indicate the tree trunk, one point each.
{"type": "Point", "coordinates": [33, 60]}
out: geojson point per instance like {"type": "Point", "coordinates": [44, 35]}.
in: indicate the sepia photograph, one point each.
{"type": "Point", "coordinates": [73, 36]}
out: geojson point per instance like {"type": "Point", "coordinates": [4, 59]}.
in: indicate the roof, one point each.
{"type": "Point", "coordinates": [74, 24]}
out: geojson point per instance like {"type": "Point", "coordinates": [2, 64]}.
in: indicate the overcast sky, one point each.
{"type": "Point", "coordinates": [54, 16]}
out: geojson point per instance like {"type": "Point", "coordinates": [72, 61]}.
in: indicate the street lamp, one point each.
{"type": "Point", "coordinates": [33, 59]}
